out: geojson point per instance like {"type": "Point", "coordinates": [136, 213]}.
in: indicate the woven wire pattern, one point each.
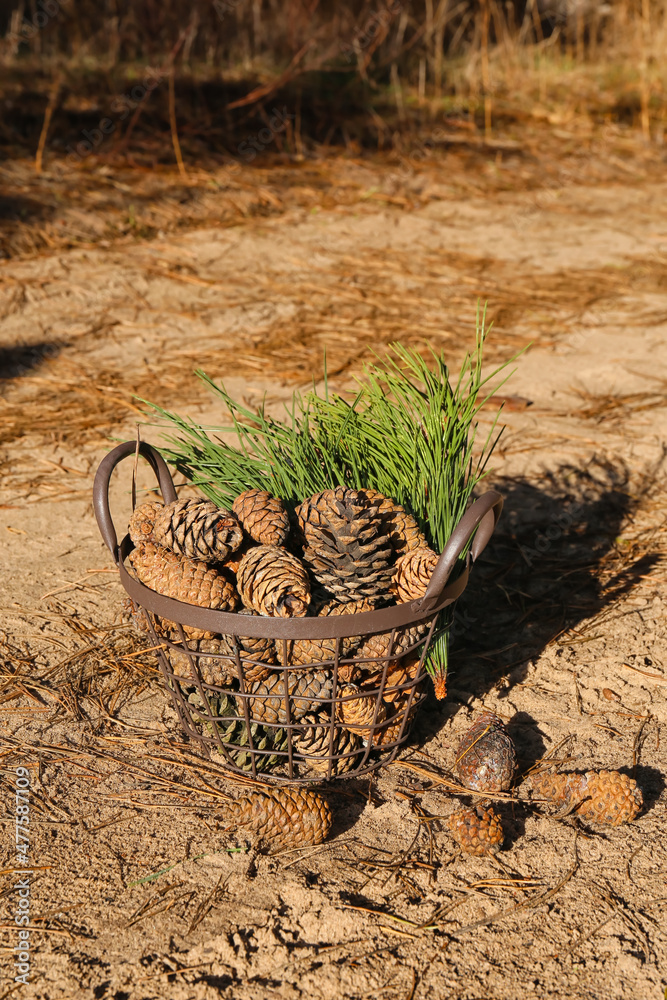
{"type": "Point", "coordinates": [260, 731]}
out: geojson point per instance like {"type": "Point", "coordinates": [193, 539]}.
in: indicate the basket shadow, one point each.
{"type": "Point", "coordinates": [23, 358]}
{"type": "Point", "coordinates": [556, 561]}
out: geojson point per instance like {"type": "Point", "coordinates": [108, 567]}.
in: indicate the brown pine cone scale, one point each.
{"type": "Point", "coordinates": [262, 516]}
{"type": "Point", "coordinates": [412, 574]}
{"type": "Point", "coordinates": [197, 529]}
{"type": "Point", "coordinates": [283, 818]}
{"type": "Point", "coordinates": [273, 582]}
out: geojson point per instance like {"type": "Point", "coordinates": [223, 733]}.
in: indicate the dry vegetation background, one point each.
{"type": "Point", "coordinates": [433, 154]}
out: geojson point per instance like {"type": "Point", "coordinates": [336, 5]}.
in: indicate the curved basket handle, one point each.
{"type": "Point", "coordinates": [481, 518]}
{"type": "Point", "coordinates": [101, 487]}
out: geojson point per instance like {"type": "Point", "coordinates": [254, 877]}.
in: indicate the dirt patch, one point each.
{"type": "Point", "coordinates": [140, 892]}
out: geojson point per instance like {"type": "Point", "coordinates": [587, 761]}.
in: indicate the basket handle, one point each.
{"type": "Point", "coordinates": [480, 521]}
{"type": "Point", "coordinates": [101, 487]}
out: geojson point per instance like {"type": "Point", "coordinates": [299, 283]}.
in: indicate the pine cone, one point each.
{"type": "Point", "coordinates": [476, 831]}
{"type": "Point", "coordinates": [142, 521]}
{"type": "Point", "coordinates": [233, 561]}
{"type": "Point", "coordinates": [345, 547]}
{"type": "Point", "coordinates": [356, 713]}
{"type": "Point", "coordinates": [263, 517]}
{"type": "Point", "coordinates": [283, 818]}
{"type": "Point", "coordinates": [485, 759]}
{"type": "Point", "coordinates": [596, 796]}
{"type": "Point", "coordinates": [376, 647]}
{"type": "Point", "coordinates": [273, 582]}
{"type": "Point", "coordinates": [184, 580]}
{"type": "Point", "coordinates": [307, 690]}
{"type": "Point", "coordinates": [313, 742]}
{"type": "Point", "coordinates": [401, 527]}
{"type": "Point", "coordinates": [399, 674]}
{"type": "Point", "coordinates": [221, 717]}
{"type": "Point", "coordinates": [390, 731]}
{"type": "Point", "coordinates": [412, 574]}
{"type": "Point", "coordinates": [256, 646]}
{"type": "Point", "coordinates": [197, 529]}
{"type": "Point", "coordinates": [303, 651]}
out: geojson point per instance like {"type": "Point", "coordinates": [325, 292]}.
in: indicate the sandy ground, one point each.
{"type": "Point", "coordinates": [562, 630]}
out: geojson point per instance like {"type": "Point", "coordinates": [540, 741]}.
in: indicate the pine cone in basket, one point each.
{"type": "Point", "coordinates": [476, 831]}
{"type": "Point", "coordinates": [262, 516]}
{"type": "Point", "coordinates": [401, 527]}
{"type": "Point", "coordinates": [596, 796]}
{"type": "Point", "coordinates": [357, 710]}
{"type": "Point", "coordinates": [212, 670]}
{"type": "Point", "coordinates": [376, 647]}
{"type": "Point", "coordinates": [412, 574]}
{"type": "Point", "coordinates": [345, 547]}
{"type": "Point", "coordinates": [399, 673]}
{"type": "Point", "coordinates": [273, 582]}
{"type": "Point", "coordinates": [306, 688]}
{"type": "Point", "coordinates": [221, 717]}
{"type": "Point", "coordinates": [485, 759]}
{"type": "Point", "coordinates": [302, 651]}
{"type": "Point", "coordinates": [282, 818]}
{"type": "Point", "coordinates": [184, 580]}
{"type": "Point", "coordinates": [313, 742]}
{"type": "Point", "coordinates": [390, 731]}
{"type": "Point", "coordinates": [142, 521]}
{"type": "Point", "coordinates": [257, 647]}
{"type": "Point", "coordinates": [197, 529]}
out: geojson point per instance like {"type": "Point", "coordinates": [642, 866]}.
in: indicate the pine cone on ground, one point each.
{"type": "Point", "coordinates": [476, 831]}
{"type": "Point", "coordinates": [184, 580]}
{"type": "Point", "coordinates": [273, 582]}
{"type": "Point", "coordinates": [197, 529]}
{"type": "Point", "coordinates": [262, 516]}
{"type": "Point", "coordinates": [485, 759]}
{"type": "Point", "coordinates": [401, 527]}
{"type": "Point", "coordinates": [283, 818]}
{"type": "Point", "coordinates": [313, 742]}
{"type": "Point", "coordinates": [357, 710]}
{"type": "Point", "coordinates": [412, 574]}
{"type": "Point", "coordinates": [596, 796]}
{"type": "Point", "coordinates": [142, 521]}
{"type": "Point", "coordinates": [345, 547]}
{"type": "Point", "coordinates": [307, 690]}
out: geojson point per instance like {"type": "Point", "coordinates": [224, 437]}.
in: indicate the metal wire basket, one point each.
{"type": "Point", "coordinates": [342, 714]}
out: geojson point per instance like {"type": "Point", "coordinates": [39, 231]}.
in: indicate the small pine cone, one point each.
{"type": "Point", "coordinates": [142, 521]}
{"type": "Point", "coordinates": [399, 674]}
{"type": "Point", "coordinates": [313, 742]}
{"type": "Point", "coordinates": [412, 574]}
{"type": "Point", "coordinates": [214, 671]}
{"type": "Point", "coordinates": [274, 582]}
{"type": "Point", "coordinates": [283, 818]}
{"type": "Point", "coordinates": [356, 712]}
{"type": "Point", "coordinates": [485, 759]}
{"type": "Point", "coordinates": [262, 516]}
{"type": "Point", "coordinates": [476, 831]}
{"type": "Point", "coordinates": [184, 580]}
{"type": "Point", "coordinates": [197, 529]}
{"type": "Point", "coordinates": [258, 647]}
{"type": "Point", "coordinates": [596, 796]}
{"type": "Point", "coordinates": [307, 691]}
{"type": "Point", "coordinates": [345, 548]}
{"type": "Point", "coordinates": [390, 732]}
{"type": "Point", "coordinates": [401, 527]}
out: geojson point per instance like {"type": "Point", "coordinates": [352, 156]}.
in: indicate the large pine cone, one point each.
{"type": "Point", "coordinates": [273, 582]}
{"type": "Point", "coordinates": [345, 548]}
{"type": "Point", "coordinates": [485, 759]}
{"type": "Point", "coordinates": [184, 580]}
{"type": "Point", "coordinates": [357, 710]}
{"type": "Point", "coordinates": [596, 796]}
{"type": "Point", "coordinates": [401, 527]}
{"type": "Point", "coordinates": [263, 517]}
{"type": "Point", "coordinates": [476, 831]}
{"type": "Point", "coordinates": [283, 818]}
{"type": "Point", "coordinates": [412, 574]}
{"type": "Point", "coordinates": [142, 521]}
{"type": "Point", "coordinates": [306, 688]}
{"type": "Point", "coordinates": [313, 742]}
{"type": "Point", "coordinates": [197, 529]}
